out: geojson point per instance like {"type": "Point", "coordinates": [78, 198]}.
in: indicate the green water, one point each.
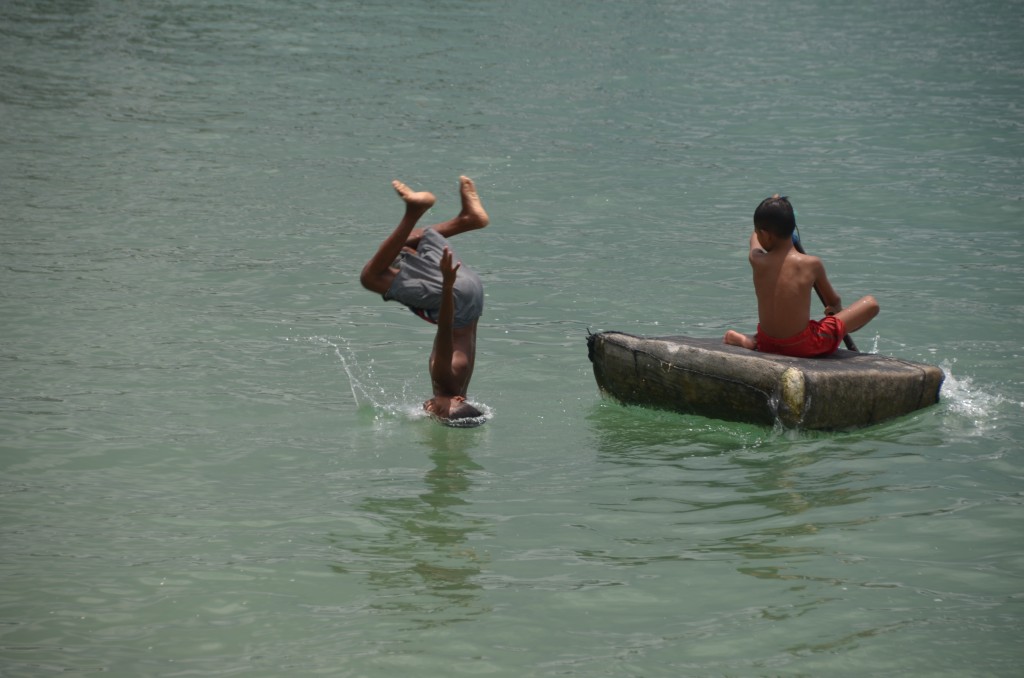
{"type": "Point", "coordinates": [212, 460]}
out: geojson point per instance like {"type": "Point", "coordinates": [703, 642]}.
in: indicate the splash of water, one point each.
{"type": "Point", "coordinates": [369, 393]}
{"type": "Point", "coordinates": [963, 397]}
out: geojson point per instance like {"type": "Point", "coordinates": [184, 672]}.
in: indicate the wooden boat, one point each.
{"type": "Point", "coordinates": [709, 378]}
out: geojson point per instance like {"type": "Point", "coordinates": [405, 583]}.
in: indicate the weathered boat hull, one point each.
{"type": "Point", "coordinates": [709, 378]}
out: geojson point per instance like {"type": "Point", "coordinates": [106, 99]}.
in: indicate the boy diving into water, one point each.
{"type": "Point", "coordinates": [414, 266]}
{"type": "Point", "coordinates": [783, 280]}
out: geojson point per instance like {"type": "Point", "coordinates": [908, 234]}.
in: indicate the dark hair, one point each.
{"type": "Point", "coordinates": [464, 415]}
{"type": "Point", "coordinates": [775, 215]}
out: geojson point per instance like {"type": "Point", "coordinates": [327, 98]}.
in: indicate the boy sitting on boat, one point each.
{"type": "Point", "coordinates": [783, 280]}
{"type": "Point", "coordinates": [414, 267]}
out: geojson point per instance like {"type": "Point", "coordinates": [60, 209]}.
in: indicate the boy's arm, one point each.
{"type": "Point", "coordinates": [827, 294]}
{"type": "Point", "coordinates": [444, 347]}
{"type": "Point", "coordinates": [755, 245]}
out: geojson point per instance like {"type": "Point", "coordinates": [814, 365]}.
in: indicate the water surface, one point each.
{"type": "Point", "coordinates": [213, 461]}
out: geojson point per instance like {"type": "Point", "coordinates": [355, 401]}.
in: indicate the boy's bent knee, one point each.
{"type": "Point", "coordinates": [374, 282]}
{"type": "Point", "coordinates": [871, 304]}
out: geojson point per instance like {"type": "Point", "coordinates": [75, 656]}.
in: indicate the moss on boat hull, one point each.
{"type": "Point", "coordinates": [709, 378]}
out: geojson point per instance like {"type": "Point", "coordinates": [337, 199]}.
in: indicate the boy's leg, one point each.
{"type": "Point", "coordinates": [734, 338]}
{"type": "Point", "coordinates": [377, 274]}
{"type": "Point", "coordinates": [473, 216]}
{"type": "Point", "coordinates": [859, 313]}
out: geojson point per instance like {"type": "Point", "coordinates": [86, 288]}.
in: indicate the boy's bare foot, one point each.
{"type": "Point", "coordinates": [414, 201]}
{"type": "Point", "coordinates": [473, 214]}
{"type": "Point", "coordinates": [734, 338]}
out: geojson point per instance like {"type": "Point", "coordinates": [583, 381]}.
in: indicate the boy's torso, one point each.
{"type": "Point", "coordinates": [783, 282]}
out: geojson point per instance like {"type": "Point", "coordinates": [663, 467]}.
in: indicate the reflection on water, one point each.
{"type": "Point", "coordinates": [738, 493]}
{"type": "Point", "coordinates": [645, 435]}
{"type": "Point", "coordinates": [423, 563]}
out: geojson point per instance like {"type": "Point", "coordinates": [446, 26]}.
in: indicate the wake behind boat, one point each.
{"type": "Point", "coordinates": [706, 377]}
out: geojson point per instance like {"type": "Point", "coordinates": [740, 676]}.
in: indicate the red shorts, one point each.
{"type": "Point", "coordinates": [819, 338]}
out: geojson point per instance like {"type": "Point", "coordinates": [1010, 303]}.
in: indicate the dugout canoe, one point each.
{"type": "Point", "coordinates": [709, 378]}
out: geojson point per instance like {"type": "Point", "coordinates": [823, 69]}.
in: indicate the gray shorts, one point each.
{"type": "Point", "coordinates": [418, 283]}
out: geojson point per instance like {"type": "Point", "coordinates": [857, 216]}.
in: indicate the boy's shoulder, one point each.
{"type": "Point", "coordinates": [786, 264]}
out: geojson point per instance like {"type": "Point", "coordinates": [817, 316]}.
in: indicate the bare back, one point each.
{"type": "Point", "coordinates": [783, 280]}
